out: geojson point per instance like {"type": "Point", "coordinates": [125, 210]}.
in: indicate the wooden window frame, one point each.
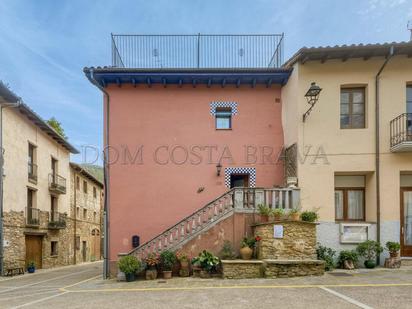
{"type": "Point", "coordinates": [55, 252]}
{"type": "Point", "coordinates": [94, 192]}
{"type": "Point", "coordinates": [223, 109]}
{"type": "Point", "coordinates": [350, 114]}
{"type": "Point", "coordinates": [85, 187]}
{"type": "Point", "coordinates": [345, 204]}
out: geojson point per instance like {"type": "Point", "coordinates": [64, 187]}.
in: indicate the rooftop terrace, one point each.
{"type": "Point", "coordinates": [197, 51]}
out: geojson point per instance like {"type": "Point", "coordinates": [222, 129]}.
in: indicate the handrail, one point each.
{"type": "Point", "coordinates": [401, 129]}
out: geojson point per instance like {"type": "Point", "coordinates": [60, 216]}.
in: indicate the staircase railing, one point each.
{"type": "Point", "coordinates": [235, 200]}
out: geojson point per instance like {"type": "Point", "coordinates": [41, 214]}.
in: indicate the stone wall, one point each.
{"type": "Point", "coordinates": [242, 269]}
{"type": "Point", "coordinates": [298, 242]}
{"type": "Point", "coordinates": [288, 268]}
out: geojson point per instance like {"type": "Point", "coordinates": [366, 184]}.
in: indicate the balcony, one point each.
{"type": "Point", "coordinates": [32, 172]}
{"type": "Point", "coordinates": [32, 216]}
{"type": "Point", "coordinates": [401, 133]}
{"type": "Point", "coordinates": [57, 184]}
{"type": "Point", "coordinates": [57, 220]}
{"type": "Point", "coordinates": [197, 51]}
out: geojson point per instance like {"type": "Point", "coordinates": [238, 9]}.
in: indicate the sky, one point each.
{"type": "Point", "coordinates": [45, 44]}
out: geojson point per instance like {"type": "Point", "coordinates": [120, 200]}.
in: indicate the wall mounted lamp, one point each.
{"type": "Point", "coordinates": [312, 96]}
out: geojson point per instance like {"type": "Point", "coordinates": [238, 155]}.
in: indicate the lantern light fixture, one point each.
{"type": "Point", "coordinates": [312, 96]}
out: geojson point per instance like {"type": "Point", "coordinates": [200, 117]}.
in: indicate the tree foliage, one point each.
{"type": "Point", "coordinates": [56, 125]}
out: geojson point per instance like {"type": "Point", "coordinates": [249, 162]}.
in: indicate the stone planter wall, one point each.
{"type": "Point", "coordinates": [298, 242]}
{"type": "Point", "coordinates": [289, 268]}
{"type": "Point", "coordinates": [242, 269]}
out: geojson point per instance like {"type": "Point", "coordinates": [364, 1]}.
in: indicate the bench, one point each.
{"type": "Point", "coordinates": [14, 271]}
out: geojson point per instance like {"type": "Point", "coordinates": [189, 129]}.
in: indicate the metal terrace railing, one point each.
{"type": "Point", "coordinates": [197, 51]}
{"type": "Point", "coordinates": [401, 129]}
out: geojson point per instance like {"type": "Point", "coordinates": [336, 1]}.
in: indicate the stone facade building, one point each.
{"type": "Point", "coordinates": [40, 222]}
{"type": "Point", "coordinates": [35, 191]}
{"type": "Point", "coordinates": [86, 205]}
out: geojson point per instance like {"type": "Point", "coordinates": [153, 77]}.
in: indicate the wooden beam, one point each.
{"type": "Point", "coordinates": [306, 58]}
{"type": "Point", "coordinates": [103, 83]}
{"type": "Point", "coordinates": [224, 83]}
{"type": "Point", "coordinates": [134, 82]}
{"type": "Point", "coordinates": [238, 83]}
{"type": "Point", "coordinates": [180, 83]}
{"type": "Point", "coordinates": [254, 83]}
{"type": "Point", "coordinates": [119, 84]}
{"type": "Point", "coordinates": [149, 82]}
{"type": "Point", "coordinates": [164, 82]}
{"type": "Point", "coordinates": [209, 83]}
{"type": "Point", "coordinates": [269, 83]}
{"type": "Point", "coordinates": [194, 81]}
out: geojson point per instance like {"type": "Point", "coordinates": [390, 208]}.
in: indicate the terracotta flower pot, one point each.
{"type": "Point", "coordinates": [295, 216]}
{"type": "Point", "coordinates": [151, 274]}
{"type": "Point", "coordinates": [167, 274]}
{"type": "Point", "coordinates": [184, 264]}
{"type": "Point", "coordinates": [277, 217]}
{"type": "Point", "coordinates": [264, 218]}
{"type": "Point", "coordinates": [393, 254]}
{"type": "Point", "coordinates": [246, 253]}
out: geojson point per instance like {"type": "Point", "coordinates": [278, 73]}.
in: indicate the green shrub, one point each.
{"type": "Point", "coordinates": [309, 216]}
{"type": "Point", "coordinates": [393, 246]}
{"type": "Point", "coordinates": [326, 254]}
{"type": "Point", "coordinates": [167, 260]}
{"type": "Point", "coordinates": [278, 212]}
{"type": "Point", "coordinates": [248, 242]}
{"type": "Point", "coordinates": [206, 260]}
{"type": "Point", "coordinates": [227, 252]}
{"type": "Point", "coordinates": [369, 249]}
{"type": "Point", "coordinates": [129, 264]}
{"type": "Point", "coordinates": [347, 255]}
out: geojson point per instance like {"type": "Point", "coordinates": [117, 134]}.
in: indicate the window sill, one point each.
{"type": "Point", "coordinates": [355, 221]}
{"type": "Point", "coordinates": [230, 129]}
{"type": "Point", "coordinates": [54, 256]}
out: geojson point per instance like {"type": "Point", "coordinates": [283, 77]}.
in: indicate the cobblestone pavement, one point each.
{"type": "Point", "coordinates": [82, 287]}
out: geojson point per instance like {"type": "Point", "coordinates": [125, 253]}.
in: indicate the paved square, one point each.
{"type": "Point", "coordinates": [82, 287]}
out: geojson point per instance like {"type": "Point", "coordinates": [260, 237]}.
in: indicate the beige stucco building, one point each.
{"type": "Point", "coordinates": [337, 164]}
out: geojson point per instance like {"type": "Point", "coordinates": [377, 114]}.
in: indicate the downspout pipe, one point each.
{"type": "Point", "coordinates": [106, 208]}
{"type": "Point", "coordinates": [377, 148]}
{"type": "Point", "coordinates": [4, 105]}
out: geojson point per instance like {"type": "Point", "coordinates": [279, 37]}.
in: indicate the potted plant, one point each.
{"type": "Point", "coordinates": [152, 260]}
{"type": "Point", "coordinates": [264, 212]}
{"type": "Point", "coordinates": [31, 267]}
{"type": "Point", "coordinates": [348, 259]}
{"type": "Point", "coordinates": [326, 254]}
{"type": "Point", "coordinates": [309, 216]}
{"type": "Point", "coordinates": [227, 252]}
{"type": "Point", "coordinates": [278, 213]}
{"type": "Point", "coordinates": [184, 264]}
{"type": "Point", "coordinates": [129, 265]}
{"type": "Point", "coordinates": [294, 214]}
{"type": "Point", "coordinates": [167, 260]}
{"type": "Point", "coordinates": [207, 262]}
{"type": "Point", "coordinates": [246, 247]}
{"type": "Point", "coordinates": [393, 248]}
{"type": "Point", "coordinates": [369, 250]}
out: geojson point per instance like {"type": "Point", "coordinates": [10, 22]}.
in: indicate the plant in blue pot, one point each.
{"type": "Point", "coordinates": [31, 267]}
{"type": "Point", "coordinates": [369, 249]}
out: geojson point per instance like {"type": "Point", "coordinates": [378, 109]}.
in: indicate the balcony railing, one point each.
{"type": "Point", "coordinates": [57, 183]}
{"type": "Point", "coordinates": [32, 216]}
{"type": "Point", "coordinates": [197, 51]}
{"type": "Point", "coordinates": [57, 220]}
{"type": "Point", "coordinates": [401, 133]}
{"type": "Point", "coordinates": [32, 172]}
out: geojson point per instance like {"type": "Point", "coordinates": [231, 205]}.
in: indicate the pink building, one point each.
{"type": "Point", "coordinates": [183, 126]}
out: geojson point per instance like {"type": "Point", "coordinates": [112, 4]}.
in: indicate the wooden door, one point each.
{"type": "Point", "coordinates": [96, 244]}
{"type": "Point", "coordinates": [34, 250]}
{"type": "Point", "coordinates": [84, 251]}
{"type": "Point", "coordinates": [406, 221]}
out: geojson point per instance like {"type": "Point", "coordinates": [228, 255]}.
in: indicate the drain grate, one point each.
{"type": "Point", "coordinates": [341, 274]}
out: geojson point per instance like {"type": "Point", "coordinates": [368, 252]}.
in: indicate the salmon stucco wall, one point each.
{"type": "Point", "coordinates": [164, 149]}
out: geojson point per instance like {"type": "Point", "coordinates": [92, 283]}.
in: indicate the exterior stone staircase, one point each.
{"type": "Point", "coordinates": [235, 200]}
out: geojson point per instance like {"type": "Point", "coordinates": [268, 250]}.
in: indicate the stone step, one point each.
{"type": "Point", "coordinates": [406, 261]}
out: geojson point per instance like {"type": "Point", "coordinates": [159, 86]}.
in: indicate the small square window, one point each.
{"type": "Point", "coordinates": [223, 118]}
{"type": "Point", "coordinates": [84, 214]}
{"type": "Point", "coordinates": [85, 186]}
{"type": "Point", "coordinates": [94, 192]}
{"type": "Point", "coordinates": [78, 183]}
{"type": "Point", "coordinates": [53, 248]}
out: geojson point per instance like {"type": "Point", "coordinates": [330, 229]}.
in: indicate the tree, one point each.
{"type": "Point", "coordinates": [56, 125]}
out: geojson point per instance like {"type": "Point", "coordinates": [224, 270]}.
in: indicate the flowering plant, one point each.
{"type": "Point", "coordinates": [152, 260]}
{"type": "Point", "coordinates": [181, 256]}
{"type": "Point", "coordinates": [258, 238]}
